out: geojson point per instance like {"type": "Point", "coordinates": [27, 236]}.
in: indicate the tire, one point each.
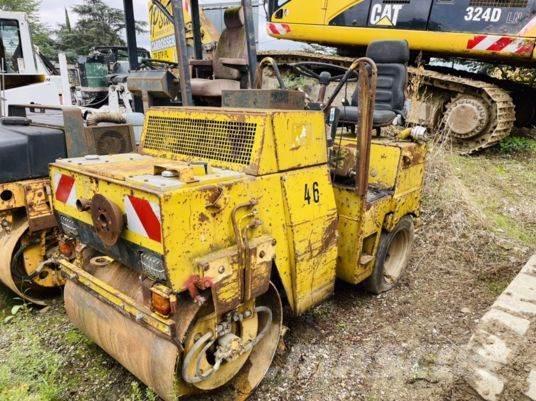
{"type": "Point", "coordinates": [392, 257]}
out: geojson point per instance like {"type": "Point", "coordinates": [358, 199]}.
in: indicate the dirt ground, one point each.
{"type": "Point", "coordinates": [477, 230]}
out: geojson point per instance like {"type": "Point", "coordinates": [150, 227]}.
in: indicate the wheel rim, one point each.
{"type": "Point", "coordinates": [245, 330]}
{"type": "Point", "coordinates": [396, 257]}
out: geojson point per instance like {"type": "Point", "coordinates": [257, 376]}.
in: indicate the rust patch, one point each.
{"type": "Point", "coordinates": [329, 238]}
{"type": "Point", "coordinates": [413, 155]}
{"type": "Point", "coordinates": [213, 194]}
{"type": "Point", "coordinates": [203, 217]}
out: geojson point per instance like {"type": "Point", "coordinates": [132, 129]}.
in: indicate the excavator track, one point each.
{"type": "Point", "coordinates": [499, 104]}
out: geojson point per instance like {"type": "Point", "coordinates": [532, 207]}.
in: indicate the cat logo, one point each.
{"type": "Point", "coordinates": [385, 14]}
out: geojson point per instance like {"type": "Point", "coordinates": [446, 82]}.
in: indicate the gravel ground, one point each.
{"type": "Point", "coordinates": [403, 345]}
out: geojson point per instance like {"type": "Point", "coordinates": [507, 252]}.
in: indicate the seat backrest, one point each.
{"type": "Point", "coordinates": [232, 43]}
{"type": "Point", "coordinates": [391, 58]}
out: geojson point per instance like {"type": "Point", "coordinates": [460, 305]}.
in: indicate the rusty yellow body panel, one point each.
{"type": "Point", "coordinates": [303, 227]}
{"type": "Point", "coordinates": [27, 239]}
{"type": "Point", "coordinates": [396, 179]}
{"type": "Point", "coordinates": [218, 203]}
{"type": "Point", "coordinates": [254, 142]}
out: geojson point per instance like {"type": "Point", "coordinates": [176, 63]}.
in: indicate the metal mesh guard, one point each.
{"type": "Point", "coordinates": [226, 141]}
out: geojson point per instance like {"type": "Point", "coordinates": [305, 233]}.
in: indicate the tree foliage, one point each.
{"type": "Point", "coordinates": [98, 25]}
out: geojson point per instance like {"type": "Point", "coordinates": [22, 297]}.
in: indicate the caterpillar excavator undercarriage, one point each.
{"type": "Point", "coordinates": [474, 111]}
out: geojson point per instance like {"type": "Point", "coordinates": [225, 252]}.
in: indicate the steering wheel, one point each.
{"type": "Point", "coordinates": [154, 64]}
{"type": "Point", "coordinates": [314, 69]}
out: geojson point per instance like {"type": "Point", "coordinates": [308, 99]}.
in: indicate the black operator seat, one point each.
{"type": "Point", "coordinates": [229, 65]}
{"type": "Point", "coordinates": [391, 58]}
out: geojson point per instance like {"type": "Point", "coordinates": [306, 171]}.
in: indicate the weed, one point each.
{"type": "Point", "coordinates": [496, 287]}
{"type": "Point", "coordinates": [135, 392]}
{"type": "Point", "coordinates": [74, 337]}
{"type": "Point", "coordinates": [24, 376]}
{"type": "Point", "coordinates": [150, 395]}
{"type": "Point", "coordinates": [517, 144]}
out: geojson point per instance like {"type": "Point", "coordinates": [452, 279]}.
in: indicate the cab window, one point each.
{"type": "Point", "coordinates": [10, 45]}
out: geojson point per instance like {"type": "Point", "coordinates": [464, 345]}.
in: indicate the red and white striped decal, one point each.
{"type": "Point", "coordinates": [277, 29]}
{"type": "Point", "coordinates": [501, 44]}
{"type": "Point", "coordinates": [143, 217]}
{"type": "Point", "coordinates": [65, 189]}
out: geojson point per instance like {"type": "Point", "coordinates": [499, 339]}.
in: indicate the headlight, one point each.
{"type": "Point", "coordinates": [68, 225]}
{"type": "Point", "coordinates": [153, 265]}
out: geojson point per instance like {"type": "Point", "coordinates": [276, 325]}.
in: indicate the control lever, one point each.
{"type": "Point", "coordinates": [333, 123]}
{"type": "Point", "coordinates": [324, 80]}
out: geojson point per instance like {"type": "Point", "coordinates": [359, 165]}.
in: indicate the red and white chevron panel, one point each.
{"type": "Point", "coordinates": [501, 44]}
{"type": "Point", "coordinates": [277, 29]}
{"type": "Point", "coordinates": [65, 189]}
{"type": "Point", "coordinates": [143, 217]}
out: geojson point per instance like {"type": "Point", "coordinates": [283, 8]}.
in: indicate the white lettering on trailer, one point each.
{"type": "Point", "coordinates": [477, 14]}
{"type": "Point", "coordinates": [390, 12]}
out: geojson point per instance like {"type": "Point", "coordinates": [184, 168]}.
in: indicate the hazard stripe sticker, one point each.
{"type": "Point", "coordinates": [143, 217]}
{"type": "Point", "coordinates": [277, 29]}
{"type": "Point", "coordinates": [501, 44]}
{"type": "Point", "coordinates": [65, 189]}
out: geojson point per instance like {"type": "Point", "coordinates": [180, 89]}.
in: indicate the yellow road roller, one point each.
{"type": "Point", "coordinates": [31, 137]}
{"type": "Point", "coordinates": [181, 252]}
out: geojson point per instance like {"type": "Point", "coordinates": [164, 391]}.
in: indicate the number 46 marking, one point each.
{"type": "Point", "coordinates": [315, 191]}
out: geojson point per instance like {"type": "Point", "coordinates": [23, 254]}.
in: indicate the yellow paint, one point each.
{"type": "Point", "coordinates": [318, 227]}
{"type": "Point", "coordinates": [120, 300]}
{"type": "Point", "coordinates": [89, 184]}
{"type": "Point", "coordinates": [162, 33]}
{"type": "Point", "coordinates": [311, 24]}
{"type": "Point", "coordinates": [360, 220]}
{"type": "Point", "coordinates": [282, 140]}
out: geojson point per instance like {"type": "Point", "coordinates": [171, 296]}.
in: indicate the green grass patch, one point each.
{"type": "Point", "coordinates": [514, 229]}
{"type": "Point", "coordinates": [517, 144]}
{"type": "Point", "coordinates": [75, 337]}
{"type": "Point", "coordinates": [31, 371]}
{"type": "Point", "coordinates": [497, 286]}
{"type": "Point", "coordinates": [502, 189]}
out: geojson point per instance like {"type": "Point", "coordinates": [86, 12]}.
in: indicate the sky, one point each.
{"type": "Point", "coordinates": [52, 13]}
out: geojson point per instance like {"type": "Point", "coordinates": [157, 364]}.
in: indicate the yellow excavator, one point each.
{"type": "Point", "coordinates": [474, 110]}
{"type": "Point", "coordinates": [162, 29]}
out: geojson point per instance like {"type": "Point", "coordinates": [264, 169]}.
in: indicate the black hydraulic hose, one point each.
{"type": "Point", "coordinates": [15, 259]}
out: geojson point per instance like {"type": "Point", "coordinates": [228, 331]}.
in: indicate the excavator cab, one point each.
{"type": "Point", "coordinates": [229, 66]}
{"type": "Point", "coordinates": [198, 75]}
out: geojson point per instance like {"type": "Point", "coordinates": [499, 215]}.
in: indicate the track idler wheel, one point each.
{"type": "Point", "coordinates": [467, 117]}
{"type": "Point", "coordinates": [24, 267]}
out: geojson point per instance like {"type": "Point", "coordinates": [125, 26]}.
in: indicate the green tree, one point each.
{"type": "Point", "coordinates": [98, 25]}
{"type": "Point", "coordinates": [41, 34]}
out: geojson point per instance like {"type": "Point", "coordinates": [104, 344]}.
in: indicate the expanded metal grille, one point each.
{"type": "Point", "coordinates": [226, 141]}
{"type": "Point", "coordinates": [499, 3]}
